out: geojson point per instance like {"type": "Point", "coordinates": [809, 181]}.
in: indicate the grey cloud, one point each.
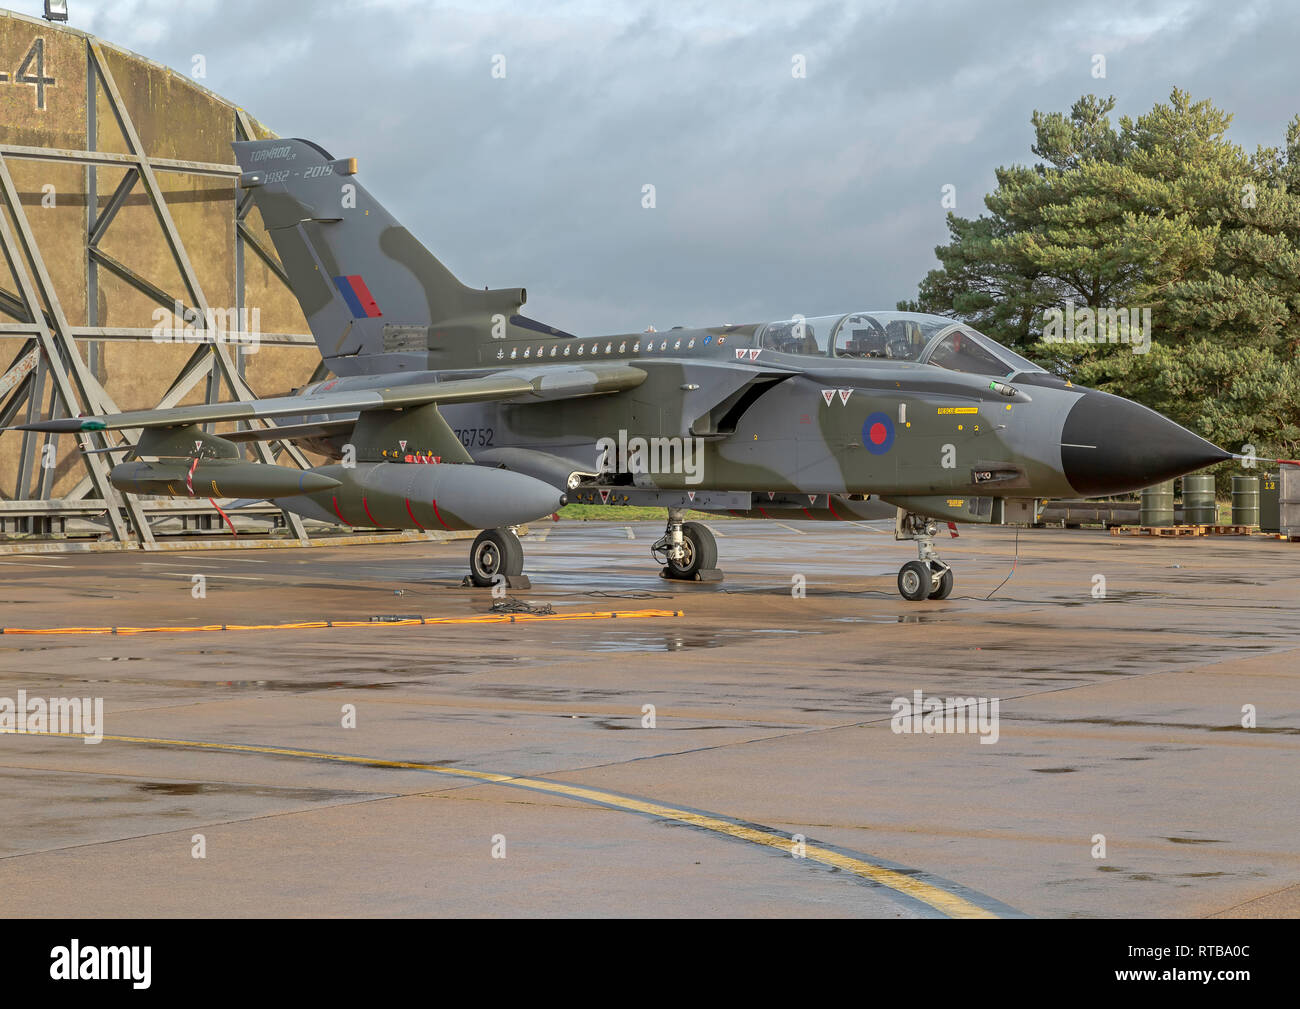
{"type": "Point", "coordinates": [774, 195]}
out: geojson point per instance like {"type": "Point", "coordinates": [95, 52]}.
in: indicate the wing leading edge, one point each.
{"type": "Point", "coordinates": [520, 386]}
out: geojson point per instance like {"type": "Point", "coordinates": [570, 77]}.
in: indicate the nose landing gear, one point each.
{"type": "Point", "coordinates": [928, 577]}
{"type": "Point", "coordinates": [687, 550]}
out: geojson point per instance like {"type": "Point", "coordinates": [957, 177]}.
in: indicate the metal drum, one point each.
{"type": "Point", "coordinates": [1270, 504]}
{"type": "Point", "coordinates": [1245, 500]}
{"type": "Point", "coordinates": [1199, 505]}
{"type": "Point", "coordinates": [1157, 505]}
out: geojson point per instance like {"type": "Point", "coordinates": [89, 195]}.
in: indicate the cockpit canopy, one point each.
{"type": "Point", "coordinates": [894, 336]}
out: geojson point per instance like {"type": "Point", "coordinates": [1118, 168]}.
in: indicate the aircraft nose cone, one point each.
{"type": "Point", "coordinates": [1111, 445]}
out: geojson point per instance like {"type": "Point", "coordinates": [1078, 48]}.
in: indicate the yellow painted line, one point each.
{"type": "Point", "coordinates": [484, 618]}
{"type": "Point", "coordinates": [948, 904]}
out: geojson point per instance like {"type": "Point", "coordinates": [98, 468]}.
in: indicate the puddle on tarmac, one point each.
{"type": "Point", "coordinates": [884, 618]}
{"type": "Point", "coordinates": [676, 641]}
{"type": "Point", "coordinates": [543, 693]}
{"type": "Point", "coordinates": [635, 723]}
{"type": "Point", "coordinates": [175, 787]}
{"type": "Point", "coordinates": [181, 788]}
{"type": "Point", "coordinates": [1160, 877]}
{"type": "Point", "coordinates": [1132, 722]}
{"type": "Point", "coordinates": [285, 685]}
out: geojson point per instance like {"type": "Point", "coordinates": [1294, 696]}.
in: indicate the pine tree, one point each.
{"type": "Point", "coordinates": [1160, 213]}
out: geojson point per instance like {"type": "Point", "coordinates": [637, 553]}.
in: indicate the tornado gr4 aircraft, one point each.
{"type": "Point", "coordinates": [451, 410]}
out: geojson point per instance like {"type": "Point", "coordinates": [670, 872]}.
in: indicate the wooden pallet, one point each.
{"type": "Point", "coordinates": [1158, 530]}
{"type": "Point", "coordinates": [1230, 530]}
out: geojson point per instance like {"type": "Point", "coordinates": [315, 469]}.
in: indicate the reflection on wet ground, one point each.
{"type": "Point", "coordinates": [644, 641]}
{"type": "Point", "coordinates": [1120, 716]}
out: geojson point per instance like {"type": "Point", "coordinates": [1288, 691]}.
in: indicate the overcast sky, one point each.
{"type": "Point", "coordinates": [774, 194]}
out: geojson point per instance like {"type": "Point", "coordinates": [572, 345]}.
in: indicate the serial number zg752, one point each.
{"type": "Point", "coordinates": [475, 437]}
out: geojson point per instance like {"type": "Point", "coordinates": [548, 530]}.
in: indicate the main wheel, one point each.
{"type": "Point", "coordinates": [915, 581]}
{"type": "Point", "coordinates": [699, 552]}
{"type": "Point", "coordinates": [495, 552]}
{"type": "Point", "coordinates": [944, 589]}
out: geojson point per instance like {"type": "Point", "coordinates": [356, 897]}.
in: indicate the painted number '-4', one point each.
{"type": "Point", "coordinates": [26, 75]}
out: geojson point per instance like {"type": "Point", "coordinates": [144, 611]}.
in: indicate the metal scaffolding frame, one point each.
{"type": "Point", "coordinates": [50, 357]}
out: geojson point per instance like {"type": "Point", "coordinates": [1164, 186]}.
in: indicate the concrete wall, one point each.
{"type": "Point", "coordinates": [175, 118]}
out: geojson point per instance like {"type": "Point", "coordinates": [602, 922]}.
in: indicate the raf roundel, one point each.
{"type": "Point", "coordinates": [878, 433]}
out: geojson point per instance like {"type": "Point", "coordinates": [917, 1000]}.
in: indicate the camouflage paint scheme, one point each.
{"type": "Point", "coordinates": [431, 369]}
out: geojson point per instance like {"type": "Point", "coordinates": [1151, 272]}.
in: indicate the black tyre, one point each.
{"type": "Point", "coordinates": [699, 552]}
{"type": "Point", "coordinates": [495, 552]}
{"type": "Point", "coordinates": [944, 588]}
{"type": "Point", "coordinates": [915, 581]}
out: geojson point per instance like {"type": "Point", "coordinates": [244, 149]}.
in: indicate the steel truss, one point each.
{"type": "Point", "coordinates": [51, 358]}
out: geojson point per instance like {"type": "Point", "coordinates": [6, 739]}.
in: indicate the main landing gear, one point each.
{"type": "Point", "coordinates": [497, 556]}
{"type": "Point", "coordinates": [687, 550]}
{"type": "Point", "coordinates": [928, 577]}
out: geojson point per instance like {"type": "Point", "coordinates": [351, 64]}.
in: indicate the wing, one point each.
{"type": "Point", "coordinates": [521, 386]}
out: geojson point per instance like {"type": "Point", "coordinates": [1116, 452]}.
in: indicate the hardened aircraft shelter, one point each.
{"type": "Point", "coordinates": [132, 265]}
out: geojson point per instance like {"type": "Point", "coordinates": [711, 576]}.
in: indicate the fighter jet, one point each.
{"type": "Point", "coordinates": [449, 409]}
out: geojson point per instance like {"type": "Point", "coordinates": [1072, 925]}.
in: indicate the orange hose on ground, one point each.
{"type": "Point", "coordinates": [485, 618]}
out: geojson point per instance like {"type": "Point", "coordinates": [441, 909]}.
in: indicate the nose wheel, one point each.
{"type": "Point", "coordinates": [927, 577]}
{"type": "Point", "coordinates": [687, 550]}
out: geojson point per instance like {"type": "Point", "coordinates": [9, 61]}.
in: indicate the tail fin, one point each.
{"type": "Point", "coordinates": [376, 299]}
